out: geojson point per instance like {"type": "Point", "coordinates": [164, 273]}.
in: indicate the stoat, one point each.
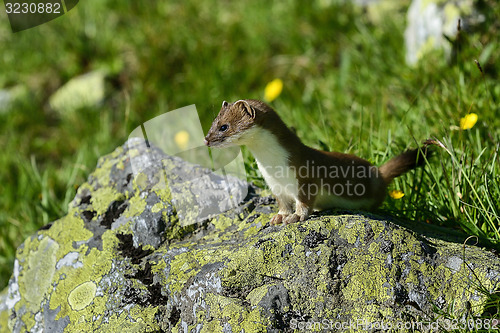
{"type": "Point", "coordinates": [304, 178]}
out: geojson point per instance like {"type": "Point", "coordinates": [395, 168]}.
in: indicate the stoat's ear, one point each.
{"type": "Point", "coordinates": [225, 104]}
{"type": "Point", "coordinates": [246, 107]}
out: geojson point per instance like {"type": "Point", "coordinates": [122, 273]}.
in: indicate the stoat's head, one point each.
{"type": "Point", "coordinates": [233, 126]}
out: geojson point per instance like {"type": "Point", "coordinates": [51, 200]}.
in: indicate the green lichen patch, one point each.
{"type": "Point", "coordinates": [136, 206]}
{"type": "Point", "coordinates": [222, 223]}
{"type": "Point", "coordinates": [81, 297]}
{"type": "Point", "coordinates": [103, 197]}
{"type": "Point", "coordinates": [67, 230]}
{"type": "Point", "coordinates": [366, 277]}
{"type": "Point", "coordinates": [350, 228]}
{"type": "Point", "coordinates": [256, 295]}
{"type": "Point", "coordinates": [233, 312]}
{"type": "Point", "coordinates": [37, 271]}
{"type": "Point", "coordinates": [182, 267]}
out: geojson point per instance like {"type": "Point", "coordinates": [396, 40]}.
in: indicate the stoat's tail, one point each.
{"type": "Point", "coordinates": [404, 162]}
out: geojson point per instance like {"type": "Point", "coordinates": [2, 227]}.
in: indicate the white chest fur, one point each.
{"type": "Point", "coordinates": [273, 162]}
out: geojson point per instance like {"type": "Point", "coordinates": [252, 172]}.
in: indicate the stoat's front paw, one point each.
{"type": "Point", "coordinates": [288, 218]}
{"type": "Point", "coordinates": [292, 218]}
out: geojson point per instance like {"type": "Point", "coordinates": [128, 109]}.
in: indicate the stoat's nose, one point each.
{"type": "Point", "coordinates": [206, 142]}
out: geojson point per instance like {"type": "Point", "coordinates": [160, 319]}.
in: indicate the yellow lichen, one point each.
{"type": "Point", "coordinates": [36, 277]}
{"type": "Point", "coordinates": [256, 295]}
{"type": "Point", "coordinates": [81, 297]}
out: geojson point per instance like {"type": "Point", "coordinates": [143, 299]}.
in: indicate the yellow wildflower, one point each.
{"type": "Point", "coordinates": [181, 139]}
{"type": "Point", "coordinates": [468, 121]}
{"type": "Point", "coordinates": [273, 90]}
{"type": "Point", "coordinates": [396, 194]}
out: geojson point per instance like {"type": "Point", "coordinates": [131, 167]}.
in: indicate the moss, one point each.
{"type": "Point", "coordinates": [68, 231]}
{"type": "Point", "coordinates": [462, 288]}
{"type": "Point", "coordinates": [407, 243]}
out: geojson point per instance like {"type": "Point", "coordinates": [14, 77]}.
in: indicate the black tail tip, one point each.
{"type": "Point", "coordinates": [425, 152]}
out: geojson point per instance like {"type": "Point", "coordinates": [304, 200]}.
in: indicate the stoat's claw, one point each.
{"type": "Point", "coordinates": [276, 219]}
{"type": "Point", "coordinates": [291, 219]}
{"type": "Point", "coordinates": [288, 218]}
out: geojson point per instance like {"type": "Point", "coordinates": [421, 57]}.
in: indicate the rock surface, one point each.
{"type": "Point", "coordinates": [86, 90]}
{"type": "Point", "coordinates": [120, 261]}
{"type": "Point", "coordinates": [430, 24]}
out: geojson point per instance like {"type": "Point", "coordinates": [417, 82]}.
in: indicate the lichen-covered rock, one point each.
{"type": "Point", "coordinates": [9, 96]}
{"type": "Point", "coordinates": [120, 261]}
{"type": "Point", "coordinates": [86, 90]}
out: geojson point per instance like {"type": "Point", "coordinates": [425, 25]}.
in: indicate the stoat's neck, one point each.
{"type": "Point", "coordinates": [267, 149]}
{"type": "Point", "coordinates": [270, 138]}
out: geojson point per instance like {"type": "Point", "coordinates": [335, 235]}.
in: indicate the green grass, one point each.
{"type": "Point", "coordinates": [346, 87]}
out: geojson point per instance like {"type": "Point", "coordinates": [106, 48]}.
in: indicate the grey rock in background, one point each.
{"type": "Point", "coordinates": [429, 21]}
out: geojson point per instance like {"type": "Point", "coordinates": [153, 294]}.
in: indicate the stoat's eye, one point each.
{"type": "Point", "coordinates": [223, 128]}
